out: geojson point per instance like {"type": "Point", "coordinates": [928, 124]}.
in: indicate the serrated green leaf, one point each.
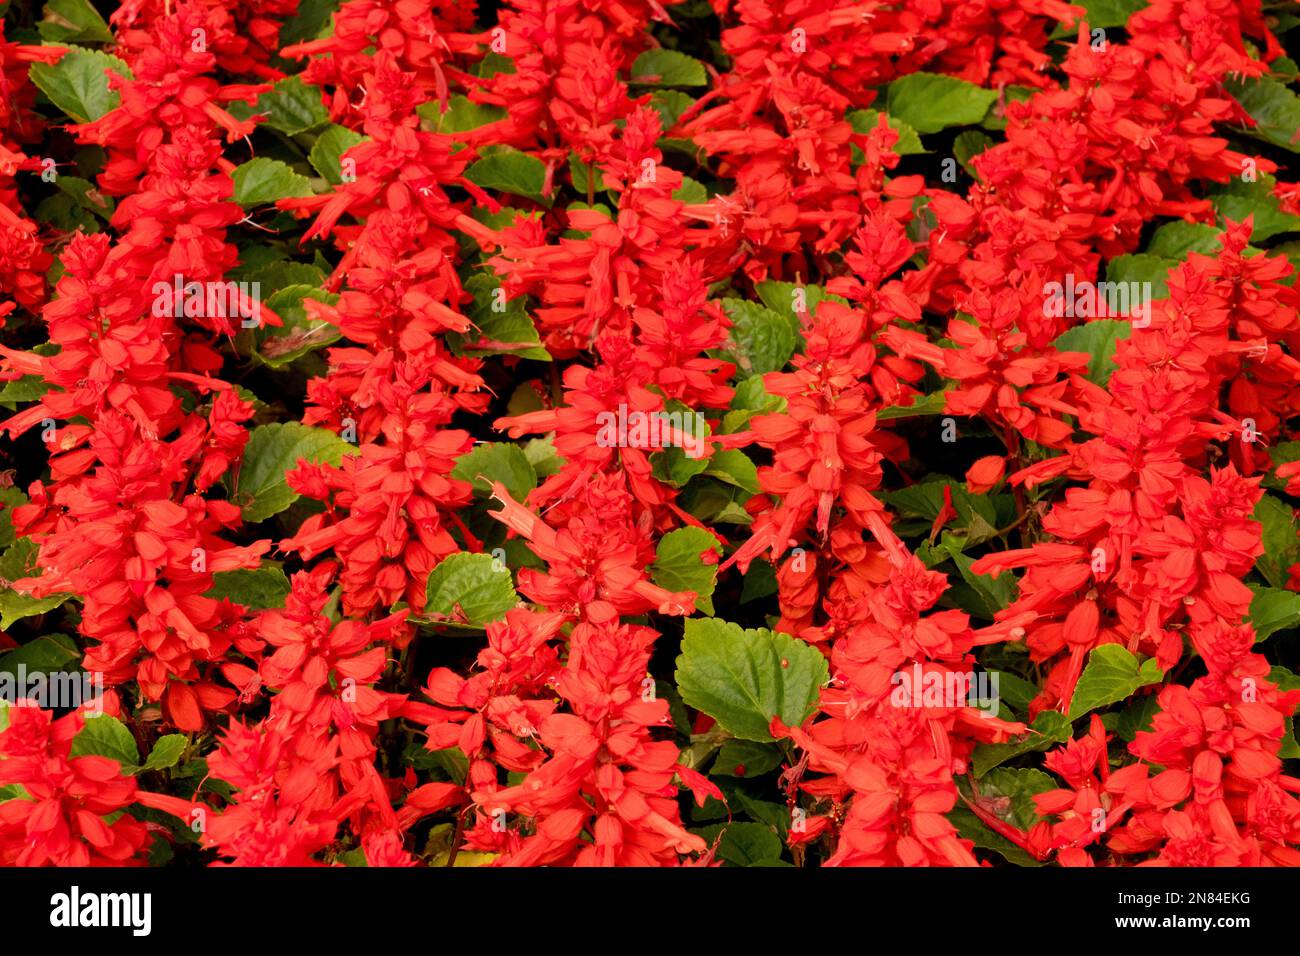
{"type": "Point", "coordinates": [679, 567]}
{"type": "Point", "coordinates": [105, 736]}
{"type": "Point", "coordinates": [1236, 200]}
{"type": "Point", "coordinates": [473, 589]}
{"type": "Point", "coordinates": [924, 405]}
{"type": "Point", "coordinates": [73, 21]}
{"type": "Point", "coordinates": [661, 67]}
{"type": "Point", "coordinates": [293, 107]}
{"type": "Point", "coordinates": [326, 155]}
{"type": "Point", "coordinates": [497, 461]}
{"type": "Point", "coordinates": [19, 561]}
{"type": "Point", "coordinates": [10, 498]}
{"type": "Point", "coordinates": [47, 654]}
{"type": "Point", "coordinates": [501, 326]}
{"type": "Point", "coordinates": [1279, 535]}
{"type": "Point", "coordinates": [1274, 108]}
{"type": "Point", "coordinates": [746, 758]}
{"type": "Point", "coordinates": [744, 677]}
{"type": "Point", "coordinates": [166, 752]}
{"type": "Point", "coordinates": [1098, 339]}
{"type": "Point", "coordinates": [761, 340]}
{"type": "Point", "coordinates": [1112, 674]}
{"type": "Point", "coordinates": [261, 181]}
{"type": "Point", "coordinates": [1141, 268]}
{"type": "Point", "coordinates": [462, 114]}
{"type": "Point", "coordinates": [733, 467]}
{"type": "Point", "coordinates": [257, 588]}
{"type": "Point", "coordinates": [280, 345]}
{"type": "Point", "coordinates": [670, 104]}
{"type": "Point", "coordinates": [1174, 240]}
{"type": "Point", "coordinates": [78, 83]}
{"type": "Point", "coordinates": [1273, 610]}
{"type": "Point", "coordinates": [929, 102]}
{"type": "Point", "coordinates": [909, 142]}
{"type": "Point", "coordinates": [510, 171]}
{"type": "Point", "coordinates": [273, 450]}
{"type": "Point", "coordinates": [744, 844]}
{"type": "Point", "coordinates": [1048, 729]}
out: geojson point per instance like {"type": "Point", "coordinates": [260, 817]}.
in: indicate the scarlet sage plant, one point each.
{"type": "Point", "coordinates": [632, 433]}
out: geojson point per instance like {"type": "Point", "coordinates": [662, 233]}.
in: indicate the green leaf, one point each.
{"type": "Point", "coordinates": [1273, 610]}
{"type": "Point", "coordinates": [996, 118]}
{"type": "Point", "coordinates": [929, 102]}
{"type": "Point", "coordinates": [326, 155]}
{"type": "Point", "coordinates": [261, 181]}
{"type": "Point", "coordinates": [1174, 240]}
{"type": "Point", "coordinates": [678, 566]}
{"type": "Point", "coordinates": [10, 498]}
{"type": "Point", "coordinates": [746, 758]}
{"type": "Point", "coordinates": [1142, 268]}
{"type": "Point", "coordinates": [1048, 729]}
{"type": "Point", "coordinates": [278, 346]}
{"type": "Point", "coordinates": [166, 752]}
{"type": "Point", "coordinates": [761, 340]}
{"type": "Point", "coordinates": [584, 176]}
{"type": "Point", "coordinates": [969, 144]}
{"type": "Point", "coordinates": [510, 171]}
{"type": "Point", "coordinates": [932, 404]}
{"type": "Point", "coordinates": [785, 298]}
{"type": "Point", "coordinates": [497, 461]}
{"type": "Point", "coordinates": [1112, 674]}
{"type": "Point", "coordinates": [1137, 716]}
{"type": "Point", "coordinates": [311, 21]}
{"type": "Point", "coordinates": [744, 677]}
{"type": "Point", "coordinates": [273, 450]}
{"type": "Point", "coordinates": [733, 467]}
{"type": "Point", "coordinates": [908, 144]}
{"type": "Point", "coordinates": [49, 653]}
{"type": "Point", "coordinates": [293, 107]}
{"type": "Point", "coordinates": [19, 561]}
{"type": "Point", "coordinates": [691, 191]}
{"type": "Point", "coordinates": [1101, 13]}
{"type": "Point", "coordinates": [1020, 785]}
{"type": "Point", "coordinates": [85, 194]}
{"type": "Point", "coordinates": [991, 594]}
{"type": "Point", "coordinates": [105, 736]}
{"type": "Point", "coordinates": [1273, 107]}
{"type": "Point", "coordinates": [256, 588]}
{"type": "Point", "coordinates": [1279, 537]}
{"type": "Point", "coordinates": [970, 827]}
{"type": "Point", "coordinates": [473, 589]}
{"type": "Point", "coordinates": [1016, 692]}
{"type": "Point", "coordinates": [73, 21]}
{"type": "Point", "coordinates": [78, 83]}
{"type": "Point", "coordinates": [1236, 200]}
{"type": "Point", "coordinates": [661, 67]}
{"type": "Point", "coordinates": [1097, 338]}
{"type": "Point", "coordinates": [26, 389]}
{"type": "Point", "coordinates": [671, 104]}
{"type": "Point", "coordinates": [462, 114]}
{"type": "Point", "coordinates": [744, 844]}
{"type": "Point", "coordinates": [501, 326]}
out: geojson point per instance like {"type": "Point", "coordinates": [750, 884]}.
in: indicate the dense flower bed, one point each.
{"type": "Point", "coordinates": [638, 432]}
